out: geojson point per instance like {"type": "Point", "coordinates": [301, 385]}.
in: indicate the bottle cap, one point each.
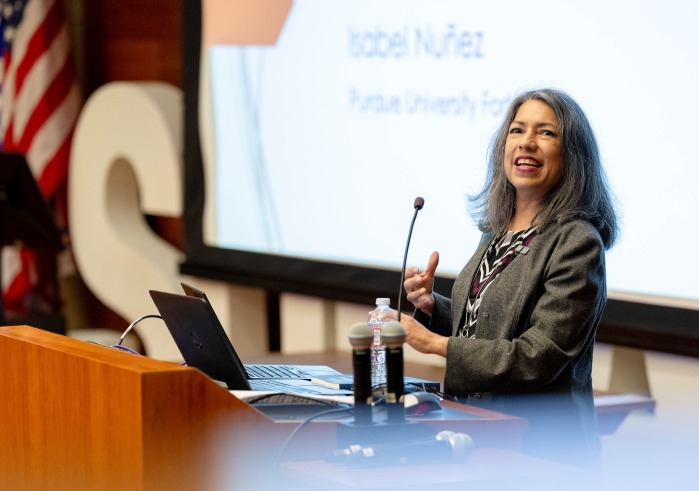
{"type": "Point", "coordinates": [383, 301]}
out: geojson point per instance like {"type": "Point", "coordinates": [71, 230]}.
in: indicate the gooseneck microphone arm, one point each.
{"type": "Point", "coordinates": [419, 203]}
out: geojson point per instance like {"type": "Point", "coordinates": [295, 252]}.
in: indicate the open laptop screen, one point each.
{"type": "Point", "coordinates": [200, 338]}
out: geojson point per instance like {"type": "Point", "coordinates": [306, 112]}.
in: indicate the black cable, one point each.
{"type": "Point", "coordinates": [280, 454]}
{"type": "Point", "coordinates": [125, 348]}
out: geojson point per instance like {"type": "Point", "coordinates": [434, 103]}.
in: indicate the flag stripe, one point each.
{"type": "Point", "coordinates": [43, 36]}
{"type": "Point", "coordinates": [43, 74]}
{"type": "Point", "coordinates": [55, 132]}
{"type": "Point", "coordinates": [21, 283]}
{"type": "Point", "coordinates": [8, 88]}
{"type": "Point", "coordinates": [51, 99]}
{"type": "Point", "coordinates": [10, 266]}
{"type": "Point", "coordinates": [34, 13]}
{"type": "Point", "coordinates": [56, 169]}
{"type": "Point", "coordinates": [31, 83]}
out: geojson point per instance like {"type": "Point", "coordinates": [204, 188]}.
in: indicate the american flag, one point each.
{"type": "Point", "coordinates": [39, 105]}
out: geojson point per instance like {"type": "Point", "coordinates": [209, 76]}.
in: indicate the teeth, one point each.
{"type": "Point", "coordinates": [526, 162]}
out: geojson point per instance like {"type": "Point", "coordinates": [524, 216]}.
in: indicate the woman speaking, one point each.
{"type": "Point", "coordinates": [518, 330]}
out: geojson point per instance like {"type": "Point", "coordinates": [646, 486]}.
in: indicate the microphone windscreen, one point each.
{"type": "Point", "coordinates": [393, 334]}
{"type": "Point", "coordinates": [461, 445]}
{"type": "Point", "coordinates": [360, 335]}
{"type": "Point", "coordinates": [419, 203]}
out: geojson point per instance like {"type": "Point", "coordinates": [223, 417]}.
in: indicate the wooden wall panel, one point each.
{"type": "Point", "coordinates": [131, 40]}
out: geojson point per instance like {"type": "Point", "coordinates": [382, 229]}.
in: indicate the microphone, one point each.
{"type": "Point", "coordinates": [393, 336]}
{"type": "Point", "coordinates": [445, 446]}
{"type": "Point", "coordinates": [360, 337]}
{"type": "Point", "coordinates": [418, 204]}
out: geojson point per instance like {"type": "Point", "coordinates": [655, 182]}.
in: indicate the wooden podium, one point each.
{"type": "Point", "coordinates": [80, 416]}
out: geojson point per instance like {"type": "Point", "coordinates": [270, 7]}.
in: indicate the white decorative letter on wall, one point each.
{"type": "Point", "coordinates": [126, 161]}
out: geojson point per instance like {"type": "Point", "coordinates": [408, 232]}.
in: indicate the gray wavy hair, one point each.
{"type": "Point", "coordinates": [582, 192]}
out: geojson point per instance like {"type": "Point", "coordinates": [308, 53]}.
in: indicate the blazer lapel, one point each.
{"type": "Point", "coordinates": [462, 287]}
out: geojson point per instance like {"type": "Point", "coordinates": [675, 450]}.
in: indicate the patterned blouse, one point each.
{"type": "Point", "coordinates": [500, 253]}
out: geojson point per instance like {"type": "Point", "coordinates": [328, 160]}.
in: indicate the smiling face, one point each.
{"type": "Point", "coordinates": [533, 151]}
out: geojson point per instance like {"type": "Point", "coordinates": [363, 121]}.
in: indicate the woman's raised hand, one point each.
{"type": "Point", "coordinates": [418, 286]}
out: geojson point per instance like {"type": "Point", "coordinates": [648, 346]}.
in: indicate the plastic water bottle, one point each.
{"type": "Point", "coordinates": [378, 317]}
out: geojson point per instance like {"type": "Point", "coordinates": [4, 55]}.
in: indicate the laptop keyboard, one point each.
{"type": "Point", "coordinates": [274, 371]}
{"type": "Point", "coordinates": [297, 386]}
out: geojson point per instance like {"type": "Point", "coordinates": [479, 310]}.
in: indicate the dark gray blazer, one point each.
{"type": "Point", "coordinates": [536, 324]}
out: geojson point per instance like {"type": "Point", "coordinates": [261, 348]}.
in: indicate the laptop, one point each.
{"type": "Point", "coordinates": [204, 344]}
{"type": "Point", "coordinates": [266, 371]}
{"type": "Point", "coordinates": [320, 374]}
